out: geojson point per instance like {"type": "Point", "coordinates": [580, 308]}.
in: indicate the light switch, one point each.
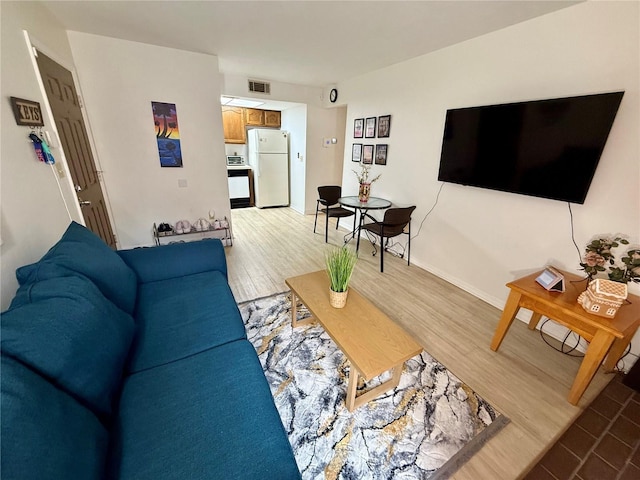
{"type": "Point", "coordinates": [182, 183]}
{"type": "Point", "coordinates": [59, 169]}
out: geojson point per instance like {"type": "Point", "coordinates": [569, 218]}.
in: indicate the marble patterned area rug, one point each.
{"type": "Point", "coordinates": [424, 429]}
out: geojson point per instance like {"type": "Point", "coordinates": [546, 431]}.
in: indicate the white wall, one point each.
{"type": "Point", "coordinates": [119, 80]}
{"type": "Point", "coordinates": [481, 239]}
{"type": "Point", "coordinates": [238, 86]}
{"type": "Point", "coordinates": [294, 121]}
{"type": "Point", "coordinates": [236, 149]}
{"type": "Point", "coordinates": [323, 165]}
{"type": "Point", "coordinates": [33, 214]}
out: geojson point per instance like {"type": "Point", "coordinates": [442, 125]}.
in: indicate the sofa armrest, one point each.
{"type": "Point", "coordinates": [176, 260]}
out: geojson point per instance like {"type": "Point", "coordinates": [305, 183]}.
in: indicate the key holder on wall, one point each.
{"type": "Point", "coordinates": [28, 113]}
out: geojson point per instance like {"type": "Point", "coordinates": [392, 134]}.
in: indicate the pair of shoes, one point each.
{"type": "Point", "coordinates": [165, 228]}
{"type": "Point", "coordinates": [202, 225]}
{"type": "Point", "coordinates": [183, 226]}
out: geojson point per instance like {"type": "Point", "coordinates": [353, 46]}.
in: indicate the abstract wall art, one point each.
{"type": "Point", "coordinates": [165, 120]}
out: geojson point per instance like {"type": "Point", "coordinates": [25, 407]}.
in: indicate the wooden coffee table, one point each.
{"type": "Point", "coordinates": [370, 340]}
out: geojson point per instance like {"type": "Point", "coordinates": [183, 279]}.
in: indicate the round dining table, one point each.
{"type": "Point", "coordinates": [361, 208]}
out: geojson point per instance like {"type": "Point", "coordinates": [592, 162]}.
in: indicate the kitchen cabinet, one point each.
{"type": "Point", "coordinates": [271, 118]}
{"type": "Point", "coordinates": [233, 125]}
{"type": "Point", "coordinates": [255, 117]}
{"type": "Point", "coordinates": [235, 119]}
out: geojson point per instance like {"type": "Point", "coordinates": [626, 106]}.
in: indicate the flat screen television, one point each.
{"type": "Point", "coordinates": [544, 148]}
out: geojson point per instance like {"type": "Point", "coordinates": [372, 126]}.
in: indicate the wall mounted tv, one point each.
{"type": "Point", "coordinates": [544, 148]}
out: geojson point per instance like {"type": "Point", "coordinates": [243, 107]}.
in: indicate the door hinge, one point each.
{"type": "Point", "coordinates": [35, 52]}
{"type": "Point", "coordinates": [80, 102]}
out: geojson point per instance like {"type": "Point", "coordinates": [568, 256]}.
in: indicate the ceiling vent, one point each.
{"type": "Point", "coordinates": [260, 87]}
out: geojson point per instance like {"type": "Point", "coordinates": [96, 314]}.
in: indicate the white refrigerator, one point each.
{"type": "Point", "coordinates": [268, 152]}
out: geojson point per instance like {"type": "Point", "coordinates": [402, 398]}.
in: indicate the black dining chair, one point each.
{"type": "Point", "coordinates": [396, 221]}
{"type": "Point", "coordinates": [328, 197]}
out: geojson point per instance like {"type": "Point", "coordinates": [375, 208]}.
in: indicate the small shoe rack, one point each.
{"type": "Point", "coordinates": [227, 239]}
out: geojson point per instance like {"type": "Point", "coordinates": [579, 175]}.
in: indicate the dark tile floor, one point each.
{"type": "Point", "coordinates": [602, 444]}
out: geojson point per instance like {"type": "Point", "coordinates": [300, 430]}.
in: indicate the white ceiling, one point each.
{"type": "Point", "coordinates": [315, 43]}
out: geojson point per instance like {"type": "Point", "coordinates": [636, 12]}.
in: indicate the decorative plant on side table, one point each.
{"type": "Point", "coordinates": [604, 297]}
{"type": "Point", "coordinates": [340, 263]}
{"type": "Point", "coordinates": [365, 184]}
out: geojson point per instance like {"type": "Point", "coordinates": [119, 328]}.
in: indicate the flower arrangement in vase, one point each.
{"type": "Point", "coordinates": [365, 184]}
{"type": "Point", "coordinates": [600, 255]}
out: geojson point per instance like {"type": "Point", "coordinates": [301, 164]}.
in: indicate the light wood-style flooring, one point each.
{"type": "Point", "coordinates": [526, 379]}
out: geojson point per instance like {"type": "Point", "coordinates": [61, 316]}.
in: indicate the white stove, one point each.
{"type": "Point", "coordinates": [239, 182]}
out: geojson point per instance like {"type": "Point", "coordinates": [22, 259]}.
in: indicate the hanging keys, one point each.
{"type": "Point", "coordinates": [42, 149]}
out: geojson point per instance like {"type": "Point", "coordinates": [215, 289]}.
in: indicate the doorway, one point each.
{"type": "Point", "coordinates": [65, 106]}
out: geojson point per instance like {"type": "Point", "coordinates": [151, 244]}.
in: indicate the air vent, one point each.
{"type": "Point", "coordinates": [259, 87]}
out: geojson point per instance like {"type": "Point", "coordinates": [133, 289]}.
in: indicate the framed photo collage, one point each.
{"type": "Point", "coordinates": [371, 127]}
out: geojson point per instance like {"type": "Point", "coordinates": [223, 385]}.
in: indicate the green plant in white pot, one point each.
{"type": "Point", "coordinates": [340, 263]}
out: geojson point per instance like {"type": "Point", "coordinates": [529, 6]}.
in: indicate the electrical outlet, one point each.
{"type": "Point", "coordinates": [182, 183]}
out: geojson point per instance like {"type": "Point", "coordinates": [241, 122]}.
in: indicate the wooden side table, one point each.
{"type": "Point", "coordinates": [608, 337]}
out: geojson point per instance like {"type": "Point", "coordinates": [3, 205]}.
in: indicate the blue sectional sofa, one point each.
{"type": "Point", "coordinates": [133, 365]}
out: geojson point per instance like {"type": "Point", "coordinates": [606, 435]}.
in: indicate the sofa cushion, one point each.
{"type": "Point", "coordinates": [71, 334]}
{"type": "Point", "coordinates": [176, 260]}
{"type": "Point", "coordinates": [182, 316]}
{"type": "Point", "coordinates": [45, 433]}
{"type": "Point", "coordinates": [210, 415]}
{"type": "Point", "coordinates": [80, 251]}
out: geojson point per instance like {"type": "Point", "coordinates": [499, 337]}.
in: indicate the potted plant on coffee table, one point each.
{"type": "Point", "coordinates": [340, 263]}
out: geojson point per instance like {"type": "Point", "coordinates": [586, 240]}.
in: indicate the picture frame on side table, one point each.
{"type": "Point", "coordinates": [381, 154]}
{"type": "Point", "coordinates": [551, 279]}
{"type": "Point", "coordinates": [384, 126]}
{"type": "Point", "coordinates": [370, 127]}
{"type": "Point", "coordinates": [367, 154]}
{"type": "Point", "coordinates": [358, 127]}
{"type": "Point", "coordinates": [356, 152]}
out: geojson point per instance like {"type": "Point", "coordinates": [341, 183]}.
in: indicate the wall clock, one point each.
{"type": "Point", "coordinates": [333, 95]}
